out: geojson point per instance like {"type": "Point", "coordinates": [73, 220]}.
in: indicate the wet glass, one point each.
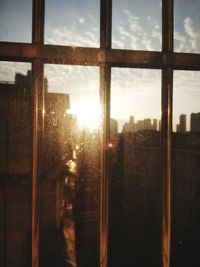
{"type": "Point", "coordinates": [186, 26]}
{"type": "Point", "coordinates": [136, 25]}
{"type": "Point", "coordinates": [15, 163]}
{"type": "Point", "coordinates": [186, 169]}
{"type": "Point", "coordinates": [71, 167]}
{"type": "Point", "coordinates": [16, 20]}
{"type": "Point", "coordinates": [134, 234]}
{"type": "Point", "coordinates": [72, 22]}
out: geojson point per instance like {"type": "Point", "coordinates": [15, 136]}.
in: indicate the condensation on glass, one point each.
{"type": "Point", "coordinates": [135, 182]}
{"type": "Point", "coordinates": [186, 169]}
{"type": "Point", "coordinates": [186, 26]}
{"type": "Point", "coordinates": [15, 163]}
{"type": "Point", "coordinates": [71, 167]}
{"type": "Point", "coordinates": [136, 25]}
{"type": "Point", "coordinates": [16, 21]}
{"type": "Point", "coordinates": [73, 22]}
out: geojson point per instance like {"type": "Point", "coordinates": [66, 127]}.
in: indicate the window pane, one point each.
{"type": "Point", "coordinates": [72, 22]}
{"type": "Point", "coordinates": [15, 163]}
{"type": "Point", "coordinates": [186, 26]}
{"type": "Point", "coordinates": [71, 167]}
{"type": "Point", "coordinates": [186, 169]}
{"type": "Point", "coordinates": [16, 20]}
{"type": "Point", "coordinates": [137, 25]}
{"type": "Point", "coordinates": [135, 167]}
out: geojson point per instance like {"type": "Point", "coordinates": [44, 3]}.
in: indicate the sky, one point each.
{"type": "Point", "coordinates": [136, 25]}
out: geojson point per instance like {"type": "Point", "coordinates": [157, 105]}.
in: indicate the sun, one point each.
{"type": "Point", "coordinates": [88, 113]}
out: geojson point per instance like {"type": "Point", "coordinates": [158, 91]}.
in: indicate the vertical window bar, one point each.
{"type": "Point", "coordinates": [167, 77]}
{"type": "Point", "coordinates": [167, 26]}
{"type": "Point", "coordinates": [167, 80]}
{"type": "Point", "coordinates": [37, 130]}
{"type": "Point", "coordinates": [105, 77]}
{"type": "Point", "coordinates": [38, 21]}
{"type": "Point", "coordinates": [37, 69]}
{"type": "Point", "coordinates": [104, 191]}
{"type": "Point", "coordinates": [106, 24]}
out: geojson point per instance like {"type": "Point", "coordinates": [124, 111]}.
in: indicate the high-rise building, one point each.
{"type": "Point", "coordinates": [195, 122]}
{"type": "Point", "coordinates": [113, 128]}
{"type": "Point", "coordinates": [129, 126]}
{"type": "Point", "coordinates": [155, 124]}
{"type": "Point", "coordinates": [182, 123]}
{"type": "Point", "coordinates": [181, 127]}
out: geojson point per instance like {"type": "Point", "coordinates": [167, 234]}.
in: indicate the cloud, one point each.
{"type": "Point", "coordinates": [134, 22]}
{"type": "Point", "coordinates": [72, 79]}
{"type": "Point", "coordinates": [136, 33]}
{"type": "Point", "coordinates": [139, 87]}
{"type": "Point", "coordinates": [80, 19]}
{"type": "Point", "coordinates": [72, 37]}
{"type": "Point", "coordinates": [81, 31]}
{"type": "Point", "coordinates": [189, 40]}
{"type": "Point", "coordinates": [9, 69]}
{"type": "Point", "coordinates": [189, 27]}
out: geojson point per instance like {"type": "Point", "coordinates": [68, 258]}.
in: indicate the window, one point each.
{"type": "Point", "coordinates": [97, 146]}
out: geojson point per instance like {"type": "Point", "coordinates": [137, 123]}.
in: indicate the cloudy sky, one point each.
{"type": "Point", "coordinates": [136, 25]}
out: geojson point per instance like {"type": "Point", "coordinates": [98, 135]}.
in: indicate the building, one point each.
{"type": "Point", "coordinates": [195, 122]}
{"type": "Point", "coordinates": [113, 128]}
{"type": "Point", "coordinates": [140, 125]}
{"type": "Point", "coordinates": [181, 127]}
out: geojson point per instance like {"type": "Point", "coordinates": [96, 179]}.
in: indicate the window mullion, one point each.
{"type": "Point", "coordinates": [37, 70]}
{"type": "Point", "coordinates": [105, 77]}
{"type": "Point", "coordinates": [166, 131]}
{"type": "Point", "coordinates": [167, 26]}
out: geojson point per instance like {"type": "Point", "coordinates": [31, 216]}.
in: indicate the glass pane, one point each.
{"type": "Point", "coordinates": [15, 163]}
{"type": "Point", "coordinates": [72, 22]}
{"type": "Point", "coordinates": [137, 25]}
{"type": "Point", "coordinates": [16, 20]}
{"type": "Point", "coordinates": [135, 167]}
{"type": "Point", "coordinates": [71, 167]}
{"type": "Point", "coordinates": [186, 26]}
{"type": "Point", "coordinates": [186, 169]}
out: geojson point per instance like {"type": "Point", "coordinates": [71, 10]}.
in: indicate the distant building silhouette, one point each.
{"type": "Point", "coordinates": [195, 122]}
{"type": "Point", "coordinates": [129, 126]}
{"type": "Point", "coordinates": [146, 124]}
{"type": "Point", "coordinates": [155, 124]}
{"type": "Point", "coordinates": [181, 127]}
{"type": "Point", "coordinates": [113, 128]}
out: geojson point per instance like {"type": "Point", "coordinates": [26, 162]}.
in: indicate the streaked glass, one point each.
{"type": "Point", "coordinates": [186, 169]}
{"type": "Point", "coordinates": [16, 133]}
{"type": "Point", "coordinates": [71, 167]}
{"type": "Point", "coordinates": [135, 182]}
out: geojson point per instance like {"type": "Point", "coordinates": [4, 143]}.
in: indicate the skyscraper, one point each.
{"type": "Point", "coordinates": [181, 127]}
{"type": "Point", "coordinates": [182, 123]}
{"type": "Point", "coordinates": [195, 122]}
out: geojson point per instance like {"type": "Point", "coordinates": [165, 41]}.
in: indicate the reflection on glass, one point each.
{"type": "Point", "coordinates": [186, 26]}
{"type": "Point", "coordinates": [15, 163]}
{"type": "Point", "coordinates": [137, 25]}
{"type": "Point", "coordinates": [186, 169]}
{"type": "Point", "coordinates": [71, 167]}
{"type": "Point", "coordinates": [72, 22]}
{"type": "Point", "coordinates": [16, 20]}
{"type": "Point", "coordinates": [135, 167]}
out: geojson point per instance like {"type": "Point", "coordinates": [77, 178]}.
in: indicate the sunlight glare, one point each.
{"type": "Point", "coordinates": [88, 114]}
